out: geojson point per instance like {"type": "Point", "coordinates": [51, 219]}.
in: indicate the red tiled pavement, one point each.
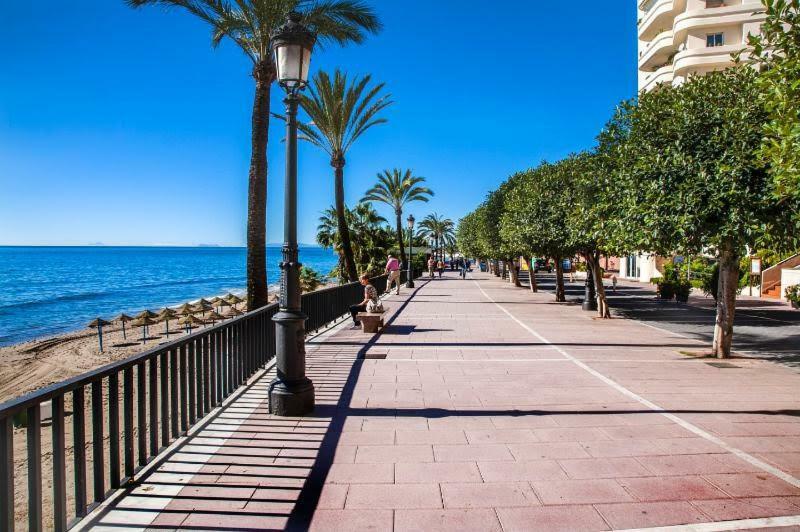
{"type": "Point", "coordinates": [470, 415]}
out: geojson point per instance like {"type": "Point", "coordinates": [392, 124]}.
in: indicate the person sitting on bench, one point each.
{"type": "Point", "coordinates": [370, 303]}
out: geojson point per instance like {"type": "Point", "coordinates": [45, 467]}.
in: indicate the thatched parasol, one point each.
{"type": "Point", "coordinates": [189, 321]}
{"type": "Point", "coordinates": [123, 319]}
{"type": "Point", "coordinates": [214, 300]}
{"type": "Point", "coordinates": [185, 310]}
{"type": "Point", "coordinates": [98, 324]}
{"type": "Point", "coordinates": [221, 303]}
{"type": "Point", "coordinates": [214, 316]}
{"type": "Point", "coordinates": [233, 311]}
{"type": "Point", "coordinates": [165, 315]}
{"type": "Point", "coordinates": [233, 299]}
{"type": "Point", "coordinates": [146, 314]}
{"type": "Point", "coordinates": [202, 307]}
{"type": "Point", "coordinates": [144, 322]}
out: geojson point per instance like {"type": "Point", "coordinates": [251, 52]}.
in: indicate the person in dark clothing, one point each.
{"type": "Point", "coordinates": [370, 296]}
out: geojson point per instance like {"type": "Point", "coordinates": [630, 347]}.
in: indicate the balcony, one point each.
{"type": "Point", "coordinates": [714, 17]}
{"type": "Point", "coordinates": [663, 74]}
{"type": "Point", "coordinates": [703, 59]}
{"type": "Point", "coordinates": [657, 51]}
{"type": "Point", "coordinates": [657, 19]}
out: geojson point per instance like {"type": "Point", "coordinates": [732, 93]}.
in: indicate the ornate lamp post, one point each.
{"type": "Point", "coordinates": [410, 221]}
{"type": "Point", "coordinates": [291, 393]}
{"type": "Point", "coordinates": [589, 300]}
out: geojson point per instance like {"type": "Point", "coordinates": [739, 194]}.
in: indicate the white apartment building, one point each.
{"type": "Point", "coordinates": [680, 38]}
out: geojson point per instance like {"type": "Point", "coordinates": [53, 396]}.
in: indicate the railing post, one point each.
{"type": "Point", "coordinates": [59, 467]}
{"type": "Point", "coordinates": [7, 474]}
{"type": "Point", "coordinates": [34, 435]}
{"type": "Point", "coordinates": [113, 430]}
{"type": "Point", "coordinates": [79, 449]}
{"type": "Point", "coordinates": [98, 459]}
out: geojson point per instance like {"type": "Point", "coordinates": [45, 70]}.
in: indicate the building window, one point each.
{"type": "Point", "coordinates": [715, 39]}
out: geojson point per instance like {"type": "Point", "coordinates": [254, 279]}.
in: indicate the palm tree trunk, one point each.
{"type": "Point", "coordinates": [341, 221]}
{"type": "Point", "coordinates": [399, 215]}
{"type": "Point", "coordinates": [257, 190]}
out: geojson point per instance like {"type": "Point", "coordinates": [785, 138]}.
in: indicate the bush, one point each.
{"type": "Point", "coordinates": [793, 294]}
{"type": "Point", "coordinates": [310, 279]}
{"type": "Point", "coordinates": [711, 281]}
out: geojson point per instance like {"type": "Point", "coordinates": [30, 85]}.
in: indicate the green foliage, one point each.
{"type": "Point", "coordinates": [310, 279]}
{"type": "Point", "coordinates": [793, 293]}
{"type": "Point", "coordinates": [537, 205]}
{"type": "Point", "coordinates": [441, 230]}
{"type": "Point", "coordinates": [777, 51]}
{"type": "Point", "coordinates": [370, 237]}
{"type": "Point", "coordinates": [468, 236]}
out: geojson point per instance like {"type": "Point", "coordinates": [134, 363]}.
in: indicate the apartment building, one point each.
{"type": "Point", "coordinates": [680, 38]}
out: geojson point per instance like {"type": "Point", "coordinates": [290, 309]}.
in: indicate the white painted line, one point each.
{"type": "Point", "coordinates": [652, 406]}
{"type": "Point", "coordinates": [742, 524]}
{"type": "Point", "coordinates": [484, 360]}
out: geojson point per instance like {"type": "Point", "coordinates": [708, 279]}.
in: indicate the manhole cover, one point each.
{"type": "Point", "coordinates": [723, 365]}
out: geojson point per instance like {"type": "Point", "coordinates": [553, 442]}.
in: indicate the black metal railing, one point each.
{"type": "Point", "coordinates": [162, 393]}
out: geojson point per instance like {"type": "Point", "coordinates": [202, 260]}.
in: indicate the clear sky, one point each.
{"type": "Point", "coordinates": [124, 126]}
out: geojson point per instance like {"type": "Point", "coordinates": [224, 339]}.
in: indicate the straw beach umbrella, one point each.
{"type": "Point", "coordinates": [221, 303]}
{"type": "Point", "coordinates": [214, 316]}
{"type": "Point", "coordinates": [98, 324]}
{"type": "Point", "coordinates": [185, 310]}
{"type": "Point", "coordinates": [233, 312]}
{"type": "Point", "coordinates": [146, 314]}
{"type": "Point", "coordinates": [123, 319]}
{"type": "Point", "coordinates": [190, 320]}
{"type": "Point", "coordinates": [144, 322]}
{"type": "Point", "coordinates": [202, 306]}
{"type": "Point", "coordinates": [233, 299]}
{"type": "Point", "coordinates": [165, 315]}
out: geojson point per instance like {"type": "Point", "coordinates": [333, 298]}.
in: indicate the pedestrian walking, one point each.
{"type": "Point", "coordinates": [440, 267]}
{"type": "Point", "coordinates": [431, 266]}
{"type": "Point", "coordinates": [464, 268]}
{"type": "Point", "coordinates": [614, 283]}
{"type": "Point", "coordinates": [393, 274]}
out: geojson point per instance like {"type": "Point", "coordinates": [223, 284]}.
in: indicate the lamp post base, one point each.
{"type": "Point", "coordinates": [409, 284]}
{"type": "Point", "coordinates": [589, 305]}
{"type": "Point", "coordinates": [291, 398]}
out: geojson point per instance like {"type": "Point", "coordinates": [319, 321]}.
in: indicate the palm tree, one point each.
{"type": "Point", "coordinates": [439, 229]}
{"type": "Point", "coordinates": [249, 24]}
{"type": "Point", "coordinates": [396, 188]}
{"type": "Point", "coordinates": [369, 237]}
{"type": "Point", "coordinates": [340, 113]}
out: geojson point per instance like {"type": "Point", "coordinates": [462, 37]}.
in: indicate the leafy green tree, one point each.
{"type": "Point", "coordinates": [340, 113]}
{"type": "Point", "coordinates": [695, 181]}
{"type": "Point", "coordinates": [396, 188]}
{"type": "Point", "coordinates": [777, 51]}
{"type": "Point", "coordinates": [370, 238]}
{"type": "Point", "coordinates": [535, 219]}
{"type": "Point", "coordinates": [249, 24]}
{"type": "Point", "coordinates": [467, 237]}
{"type": "Point", "coordinates": [310, 279]}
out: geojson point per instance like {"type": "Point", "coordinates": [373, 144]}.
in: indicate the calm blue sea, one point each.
{"type": "Point", "coordinates": [52, 290]}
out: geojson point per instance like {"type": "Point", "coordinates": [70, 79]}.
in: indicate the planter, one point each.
{"type": "Point", "coordinates": [795, 304]}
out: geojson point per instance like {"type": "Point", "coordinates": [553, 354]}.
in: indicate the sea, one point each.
{"type": "Point", "coordinates": [45, 291]}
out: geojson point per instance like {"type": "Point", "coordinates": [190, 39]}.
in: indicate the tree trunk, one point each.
{"type": "Point", "coordinates": [726, 300]}
{"type": "Point", "coordinates": [600, 290]}
{"type": "Point", "coordinates": [532, 272]}
{"type": "Point", "coordinates": [399, 215]}
{"type": "Point", "coordinates": [341, 221]}
{"type": "Point", "coordinates": [560, 297]}
{"type": "Point", "coordinates": [514, 274]}
{"type": "Point", "coordinates": [257, 189]}
{"type": "Point", "coordinates": [496, 268]}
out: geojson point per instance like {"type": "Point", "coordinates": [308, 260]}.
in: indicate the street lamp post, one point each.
{"type": "Point", "coordinates": [291, 393]}
{"type": "Point", "coordinates": [410, 280]}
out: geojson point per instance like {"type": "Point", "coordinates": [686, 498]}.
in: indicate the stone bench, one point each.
{"type": "Point", "coordinates": [371, 321]}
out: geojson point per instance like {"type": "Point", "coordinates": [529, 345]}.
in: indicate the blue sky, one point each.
{"type": "Point", "coordinates": [124, 126]}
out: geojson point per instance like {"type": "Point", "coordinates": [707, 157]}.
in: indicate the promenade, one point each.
{"type": "Point", "coordinates": [486, 407]}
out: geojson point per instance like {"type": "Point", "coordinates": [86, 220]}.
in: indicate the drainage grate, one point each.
{"type": "Point", "coordinates": [723, 365]}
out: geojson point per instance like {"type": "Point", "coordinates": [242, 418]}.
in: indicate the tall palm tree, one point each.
{"type": "Point", "coordinates": [396, 188]}
{"type": "Point", "coordinates": [438, 228]}
{"type": "Point", "coordinates": [249, 24]}
{"type": "Point", "coordinates": [340, 113]}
